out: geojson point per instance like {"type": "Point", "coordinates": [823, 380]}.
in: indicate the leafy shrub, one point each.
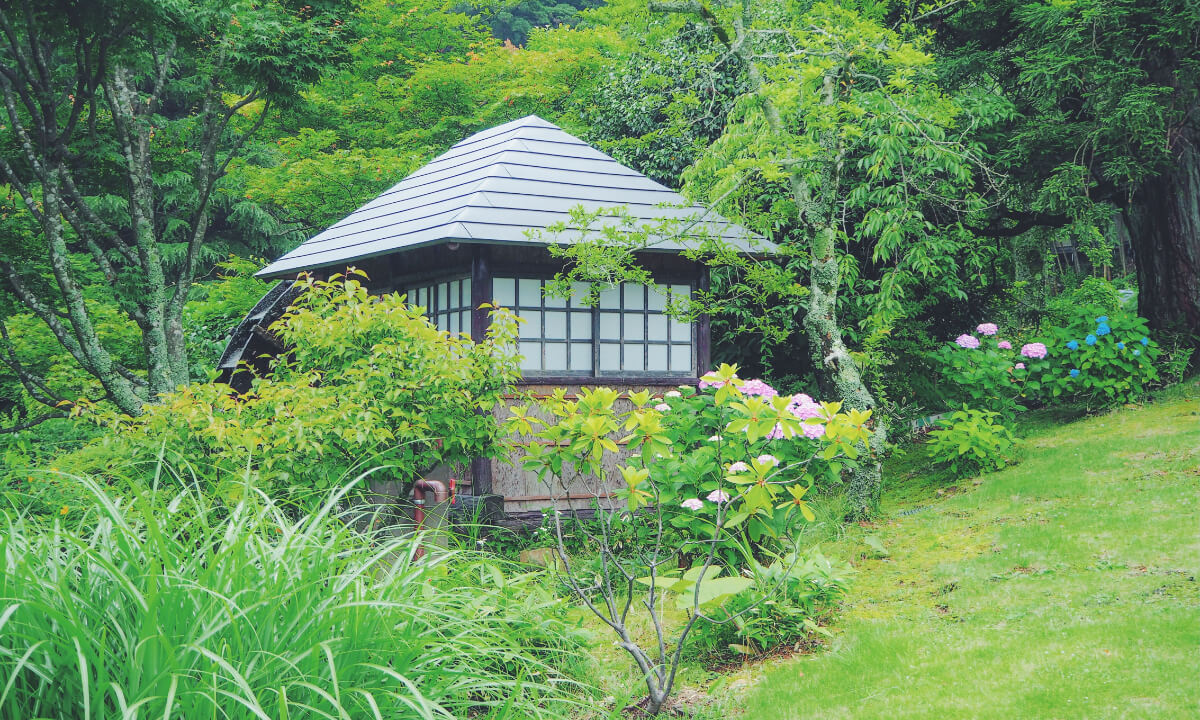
{"type": "Point", "coordinates": [971, 440]}
{"type": "Point", "coordinates": [368, 379]}
{"type": "Point", "coordinates": [734, 445]}
{"type": "Point", "coordinates": [787, 603]}
{"type": "Point", "coordinates": [1097, 358]}
{"type": "Point", "coordinates": [983, 372]}
{"type": "Point", "coordinates": [713, 488]}
{"type": "Point", "coordinates": [215, 307]}
{"type": "Point", "coordinates": [1093, 292]}
{"type": "Point", "coordinates": [166, 604]}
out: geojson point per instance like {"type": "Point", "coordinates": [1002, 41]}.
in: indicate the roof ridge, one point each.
{"type": "Point", "coordinates": [521, 174]}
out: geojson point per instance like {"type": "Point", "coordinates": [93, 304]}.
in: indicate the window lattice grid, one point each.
{"type": "Point", "coordinates": [628, 332]}
{"type": "Point", "coordinates": [447, 303]}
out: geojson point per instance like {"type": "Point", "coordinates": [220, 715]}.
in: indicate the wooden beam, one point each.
{"type": "Point", "coordinates": [572, 496]}
{"type": "Point", "coordinates": [703, 327]}
{"type": "Point", "coordinates": [266, 336]}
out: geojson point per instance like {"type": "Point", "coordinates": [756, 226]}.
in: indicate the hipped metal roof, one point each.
{"type": "Point", "coordinates": [496, 186]}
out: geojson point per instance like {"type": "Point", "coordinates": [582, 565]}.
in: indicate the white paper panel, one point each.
{"type": "Point", "coordinates": [579, 293]}
{"type": "Point", "coordinates": [556, 356]}
{"type": "Point", "coordinates": [656, 360]}
{"type": "Point", "coordinates": [635, 326]}
{"type": "Point", "coordinates": [635, 358]}
{"type": "Point", "coordinates": [553, 301]}
{"type": "Point", "coordinates": [556, 325]}
{"type": "Point", "coordinates": [658, 327]}
{"type": "Point", "coordinates": [658, 298]}
{"type": "Point", "coordinates": [532, 327]}
{"type": "Point", "coordinates": [681, 358]}
{"type": "Point", "coordinates": [530, 293]}
{"type": "Point", "coordinates": [610, 357]}
{"type": "Point", "coordinates": [634, 296]}
{"type": "Point", "coordinates": [610, 326]}
{"type": "Point", "coordinates": [504, 292]}
{"type": "Point", "coordinates": [581, 356]}
{"type": "Point", "coordinates": [532, 352]}
{"type": "Point", "coordinates": [680, 331]}
{"type": "Point", "coordinates": [610, 299]}
{"type": "Point", "coordinates": [581, 326]}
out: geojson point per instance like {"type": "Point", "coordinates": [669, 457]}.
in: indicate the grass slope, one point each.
{"type": "Point", "coordinates": [1062, 587]}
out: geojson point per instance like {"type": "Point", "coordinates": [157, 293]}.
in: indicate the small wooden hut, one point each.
{"type": "Point", "coordinates": [470, 227]}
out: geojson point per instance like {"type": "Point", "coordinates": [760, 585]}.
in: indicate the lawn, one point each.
{"type": "Point", "coordinates": [1064, 586]}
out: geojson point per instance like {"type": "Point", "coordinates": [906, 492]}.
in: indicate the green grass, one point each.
{"type": "Point", "coordinates": [170, 604]}
{"type": "Point", "coordinates": [1062, 587]}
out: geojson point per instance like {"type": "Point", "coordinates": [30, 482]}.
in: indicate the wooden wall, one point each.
{"type": "Point", "coordinates": [525, 495]}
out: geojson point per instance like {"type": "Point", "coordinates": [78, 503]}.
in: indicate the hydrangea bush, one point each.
{"type": "Point", "coordinates": [971, 440]}
{"type": "Point", "coordinates": [1096, 358]}
{"type": "Point", "coordinates": [727, 461]}
{"type": "Point", "coordinates": [1101, 359]}
{"type": "Point", "coordinates": [732, 445]}
{"type": "Point", "coordinates": [984, 373]}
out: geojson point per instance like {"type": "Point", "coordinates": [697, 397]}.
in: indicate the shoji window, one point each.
{"type": "Point", "coordinates": [447, 303]}
{"type": "Point", "coordinates": [556, 335]}
{"type": "Point", "coordinates": [627, 333]}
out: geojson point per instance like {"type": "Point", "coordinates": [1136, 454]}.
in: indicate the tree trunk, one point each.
{"type": "Point", "coordinates": [1166, 239]}
{"type": "Point", "coordinates": [833, 361]}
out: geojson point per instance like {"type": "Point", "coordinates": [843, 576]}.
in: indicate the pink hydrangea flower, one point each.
{"type": "Point", "coordinates": [1034, 350]}
{"type": "Point", "coordinates": [969, 342]}
{"type": "Point", "coordinates": [674, 393]}
{"type": "Point", "coordinates": [1019, 366]}
{"type": "Point", "coordinates": [758, 387]}
{"type": "Point", "coordinates": [767, 460]}
{"type": "Point", "coordinates": [987, 329]}
{"type": "Point", "coordinates": [662, 407]}
{"type": "Point", "coordinates": [813, 430]}
{"type": "Point", "coordinates": [804, 407]}
{"type": "Point", "coordinates": [718, 496]}
{"type": "Point", "coordinates": [776, 432]}
{"type": "Point", "coordinates": [1004, 345]}
{"type": "Point", "coordinates": [710, 380]}
{"type": "Point", "coordinates": [739, 467]}
{"type": "Point", "coordinates": [692, 504]}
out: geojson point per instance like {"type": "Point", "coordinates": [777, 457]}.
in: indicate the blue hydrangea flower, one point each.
{"type": "Point", "coordinates": [1102, 319]}
{"type": "Point", "coordinates": [1103, 329]}
{"type": "Point", "coordinates": [1145, 340]}
{"type": "Point", "coordinates": [1090, 339]}
{"type": "Point", "coordinates": [1073, 345]}
{"type": "Point", "coordinates": [1074, 372]}
{"type": "Point", "coordinates": [1120, 346]}
{"type": "Point", "coordinates": [1137, 352]}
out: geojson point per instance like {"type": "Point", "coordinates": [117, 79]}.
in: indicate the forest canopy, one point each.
{"type": "Point", "coordinates": [959, 159]}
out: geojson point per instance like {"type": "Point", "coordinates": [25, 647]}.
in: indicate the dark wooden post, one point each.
{"type": "Point", "coordinates": [481, 292]}
{"type": "Point", "coordinates": [703, 327]}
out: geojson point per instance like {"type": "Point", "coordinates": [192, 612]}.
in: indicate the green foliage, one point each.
{"type": "Point", "coordinates": [663, 103]}
{"type": "Point", "coordinates": [751, 455]}
{"type": "Point", "coordinates": [1092, 292]}
{"type": "Point", "coordinates": [879, 149]}
{"type": "Point", "coordinates": [971, 440]}
{"type": "Point", "coordinates": [786, 602]}
{"type": "Point", "coordinates": [984, 377]}
{"type": "Point", "coordinates": [368, 380]}
{"type": "Point", "coordinates": [165, 603]}
{"type": "Point", "coordinates": [215, 308]}
{"type": "Point", "coordinates": [513, 20]}
{"type": "Point", "coordinates": [1098, 359]}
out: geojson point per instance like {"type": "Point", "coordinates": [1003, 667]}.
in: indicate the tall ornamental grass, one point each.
{"type": "Point", "coordinates": [169, 605]}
